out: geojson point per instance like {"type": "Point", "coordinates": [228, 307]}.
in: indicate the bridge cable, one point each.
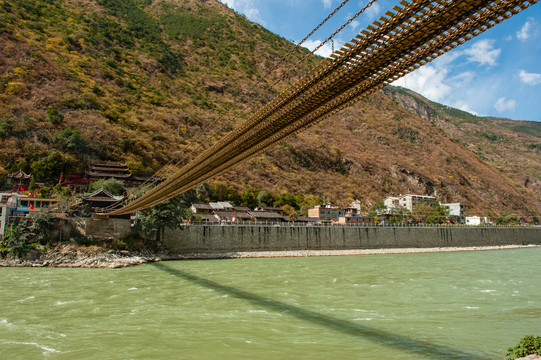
{"type": "Point", "coordinates": [286, 56]}
{"type": "Point", "coordinates": [235, 116]}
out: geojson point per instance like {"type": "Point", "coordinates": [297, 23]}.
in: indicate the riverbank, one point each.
{"type": "Point", "coordinates": [72, 256]}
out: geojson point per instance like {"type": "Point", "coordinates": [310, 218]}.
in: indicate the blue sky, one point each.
{"type": "Point", "coordinates": [497, 73]}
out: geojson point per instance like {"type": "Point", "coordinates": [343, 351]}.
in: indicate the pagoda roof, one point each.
{"type": "Point", "coordinates": [19, 175]}
{"type": "Point", "coordinates": [102, 195]}
{"type": "Point", "coordinates": [110, 164]}
{"type": "Point", "coordinates": [109, 174]}
{"type": "Point", "coordinates": [107, 168]}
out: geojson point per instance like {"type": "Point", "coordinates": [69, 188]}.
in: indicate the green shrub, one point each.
{"type": "Point", "coordinates": [12, 242]}
{"type": "Point", "coordinates": [70, 139]}
{"type": "Point", "coordinates": [50, 167]}
{"type": "Point", "coordinates": [114, 186]}
{"type": "Point", "coordinates": [6, 127]}
{"type": "Point", "coordinates": [529, 345]}
{"type": "Point", "coordinates": [17, 239]}
{"type": "Point", "coordinates": [55, 117]}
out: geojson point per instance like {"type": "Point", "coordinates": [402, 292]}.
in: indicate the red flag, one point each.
{"type": "Point", "coordinates": [31, 207]}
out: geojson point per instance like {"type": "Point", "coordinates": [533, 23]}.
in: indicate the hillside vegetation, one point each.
{"type": "Point", "coordinates": [511, 146]}
{"type": "Point", "coordinates": [147, 81]}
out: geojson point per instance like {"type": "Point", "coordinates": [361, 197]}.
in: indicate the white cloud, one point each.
{"type": "Point", "coordinates": [483, 52]}
{"type": "Point", "coordinates": [327, 3]}
{"type": "Point", "coordinates": [429, 81]}
{"type": "Point", "coordinates": [502, 104]}
{"type": "Point", "coordinates": [354, 25]}
{"type": "Point", "coordinates": [529, 78]}
{"type": "Point", "coordinates": [528, 29]}
{"type": "Point", "coordinates": [246, 7]}
{"type": "Point", "coordinates": [463, 105]}
{"type": "Point", "coordinates": [433, 81]}
{"type": "Point", "coordinates": [373, 11]}
{"type": "Point", "coordinates": [324, 51]}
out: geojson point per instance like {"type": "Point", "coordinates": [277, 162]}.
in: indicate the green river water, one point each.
{"type": "Point", "coordinates": [464, 305]}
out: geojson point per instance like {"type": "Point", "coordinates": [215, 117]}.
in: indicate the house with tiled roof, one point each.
{"type": "Point", "coordinates": [267, 216]}
{"type": "Point", "coordinates": [101, 199]}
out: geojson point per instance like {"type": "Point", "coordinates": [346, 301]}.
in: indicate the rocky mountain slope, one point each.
{"type": "Point", "coordinates": [147, 82]}
{"type": "Point", "coordinates": [511, 146]}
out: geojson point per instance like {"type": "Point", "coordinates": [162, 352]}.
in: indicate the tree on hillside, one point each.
{"type": "Point", "coordinates": [377, 209]}
{"type": "Point", "coordinates": [438, 214]}
{"type": "Point", "coordinates": [50, 167]}
{"type": "Point", "coordinates": [203, 192]}
{"type": "Point", "coordinates": [114, 186]}
{"type": "Point", "coordinates": [430, 213]}
{"type": "Point", "coordinates": [170, 213]}
{"type": "Point", "coordinates": [264, 198]}
{"type": "Point", "coordinates": [249, 198]}
{"type": "Point", "coordinates": [420, 212]}
{"type": "Point", "coordinates": [308, 202]}
{"type": "Point", "coordinates": [399, 215]}
{"type": "Point", "coordinates": [507, 218]}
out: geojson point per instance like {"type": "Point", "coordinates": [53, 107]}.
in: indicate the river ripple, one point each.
{"type": "Point", "coordinates": [467, 305]}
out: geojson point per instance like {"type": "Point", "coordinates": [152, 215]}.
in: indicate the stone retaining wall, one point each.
{"type": "Point", "coordinates": [215, 238]}
{"type": "Point", "coordinates": [101, 226]}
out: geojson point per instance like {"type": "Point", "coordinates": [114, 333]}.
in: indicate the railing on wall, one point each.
{"type": "Point", "coordinates": [369, 225]}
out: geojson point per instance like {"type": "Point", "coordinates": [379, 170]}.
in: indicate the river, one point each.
{"type": "Point", "coordinates": [464, 305]}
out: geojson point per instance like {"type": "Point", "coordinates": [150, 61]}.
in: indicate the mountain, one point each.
{"type": "Point", "coordinates": [152, 82]}
{"type": "Point", "coordinates": [511, 146]}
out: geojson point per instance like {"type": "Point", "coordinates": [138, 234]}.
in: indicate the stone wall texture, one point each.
{"type": "Point", "coordinates": [215, 238]}
{"type": "Point", "coordinates": [105, 227]}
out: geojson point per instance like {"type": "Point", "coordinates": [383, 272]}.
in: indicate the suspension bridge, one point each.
{"type": "Point", "coordinates": [405, 38]}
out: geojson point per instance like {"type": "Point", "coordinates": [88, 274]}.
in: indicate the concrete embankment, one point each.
{"type": "Point", "coordinates": [216, 238]}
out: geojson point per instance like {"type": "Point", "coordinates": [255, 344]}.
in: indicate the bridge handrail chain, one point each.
{"type": "Point", "coordinates": [398, 53]}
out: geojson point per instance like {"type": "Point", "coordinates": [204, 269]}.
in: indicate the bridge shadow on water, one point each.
{"type": "Point", "coordinates": [399, 342]}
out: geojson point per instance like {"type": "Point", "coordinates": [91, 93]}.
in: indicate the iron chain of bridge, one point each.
{"type": "Point", "coordinates": [406, 38]}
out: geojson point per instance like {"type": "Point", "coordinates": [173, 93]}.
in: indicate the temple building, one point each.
{"type": "Point", "coordinates": [19, 180]}
{"type": "Point", "coordinates": [101, 199]}
{"type": "Point", "coordinates": [109, 169]}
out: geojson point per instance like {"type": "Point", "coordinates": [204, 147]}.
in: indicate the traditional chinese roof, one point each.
{"type": "Point", "coordinates": [19, 175]}
{"type": "Point", "coordinates": [232, 214]}
{"type": "Point", "coordinates": [202, 207]}
{"type": "Point", "coordinates": [220, 205]}
{"type": "Point", "coordinates": [110, 165]}
{"type": "Point", "coordinates": [265, 215]}
{"type": "Point", "coordinates": [109, 174]}
{"type": "Point", "coordinates": [109, 169]}
{"type": "Point", "coordinates": [241, 208]}
{"type": "Point", "coordinates": [102, 195]}
{"type": "Point", "coordinates": [269, 208]}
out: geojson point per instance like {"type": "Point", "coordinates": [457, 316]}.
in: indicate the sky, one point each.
{"type": "Point", "coordinates": [497, 73]}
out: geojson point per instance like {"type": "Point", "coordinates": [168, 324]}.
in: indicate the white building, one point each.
{"type": "Point", "coordinates": [476, 220]}
{"type": "Point", "coordinates": [455, 209]}
{"type": "Point", "coordinates": [408, 201]}
{"type": "Point", "coordinates": [355, 207]}
{"type": "Point", "coordinates": [3, 218]}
